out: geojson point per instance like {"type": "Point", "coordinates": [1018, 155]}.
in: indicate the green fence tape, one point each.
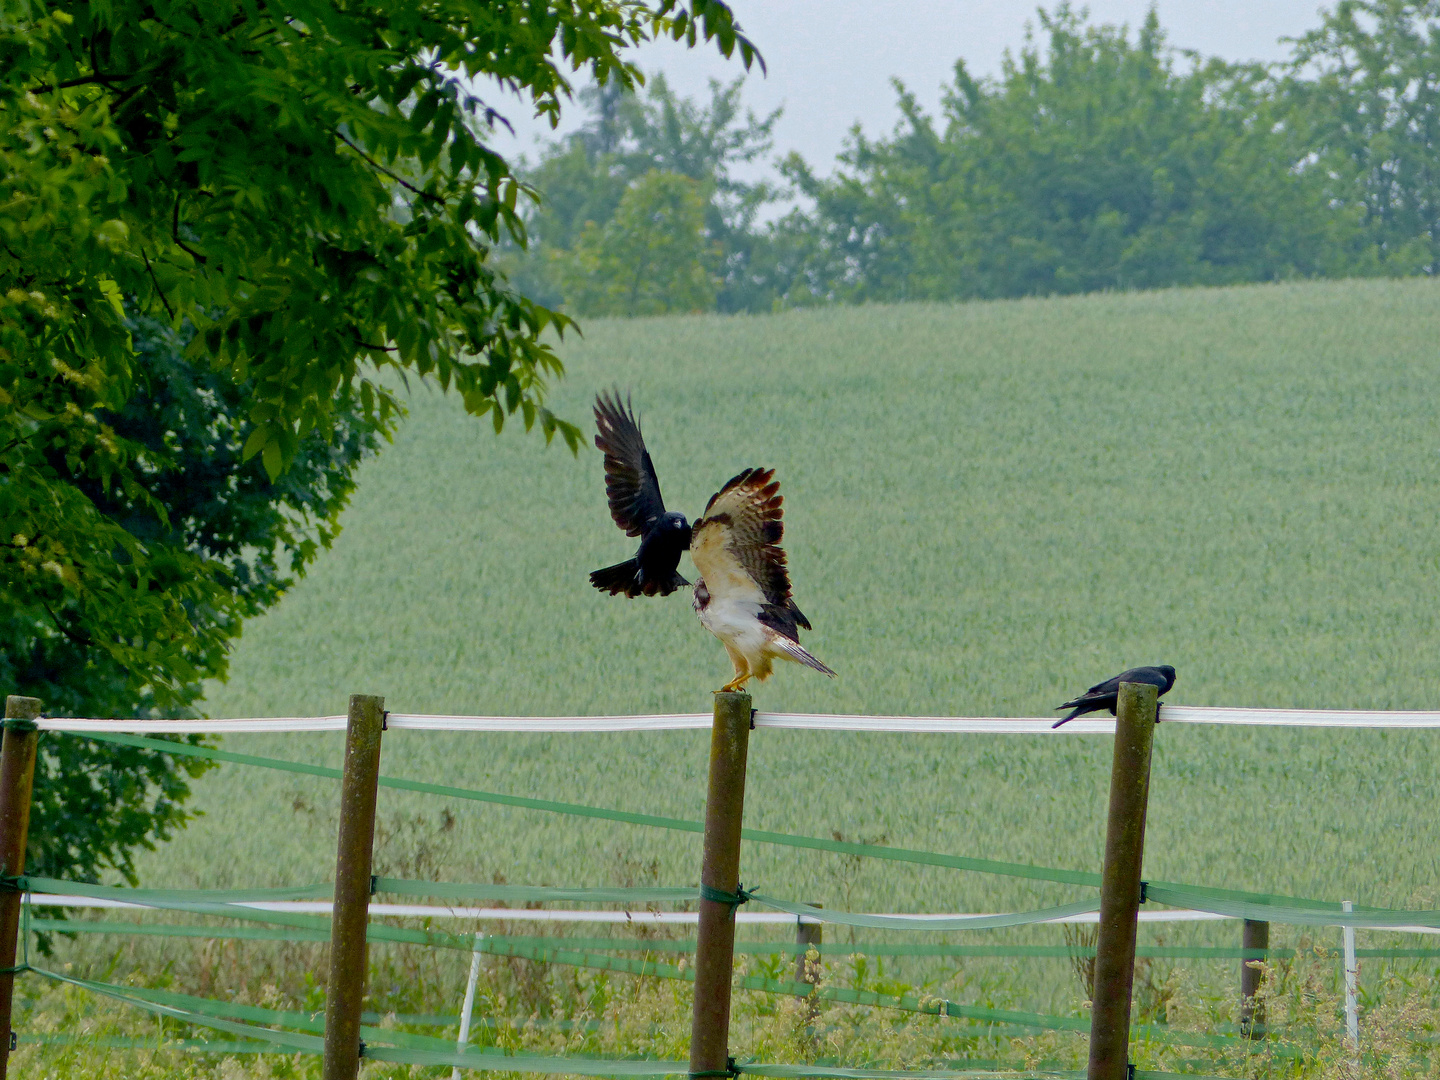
{"type": "Point", "coordinates": [56, 886]}
{"type": "Point", "coordinates": [654, 969]}
{"type": "Point", "coordinates": [1271, 910]}
{"type": "Point", "coordinates": [196, 901]}
{"type": "Point", "coordinates": [1182, 895]}
{"type": "Point", "coordinates": [228, 903]}
{"type": "Point", "coordinates": [118, 1042]}
{"type": "Point", "coordinates": [843, 847]}
{"type": "Point", "coordinates": [421, 1050]}
{"type": "Point", "coordinates": [255, 1014]}
{"type": "Point", "coordinates": [217, 933]}
{"type": "Point", "coordinates": [289, 1041]}
{"type": "Point", "coordinates": [119, 927]}
{"type": "Point", "coordinates": [906, 922]}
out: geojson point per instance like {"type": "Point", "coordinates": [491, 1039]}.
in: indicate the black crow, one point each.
{"type": "Point", "coordinates": [636, 506]}
{"type": "Point", "coordinates": [1105, 695]}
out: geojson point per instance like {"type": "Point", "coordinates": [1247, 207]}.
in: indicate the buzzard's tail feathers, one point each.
{"type": "Point", "coordinates": [795, 651]}
{"type": "Point", "coordinates": [621, 578]}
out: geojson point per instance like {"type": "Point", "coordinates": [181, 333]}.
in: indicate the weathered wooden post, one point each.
{"type": "Point", "coordinates": [807, 933]}
{"type": "Point", "coordinates": [1120, 882]}
{"type": "Point", "coordinates": [349, 959]}
{"type": "Point", "coordinates": [17, 776]}
{"type": "Point", "coordinates": [1254, 937]}
{"type": "Point", "coordinates": [719, 882]}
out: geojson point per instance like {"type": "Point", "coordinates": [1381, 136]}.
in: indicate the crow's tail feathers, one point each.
{"type": "Point", "coordinates": [1067, 719]}
{"type": "Point", "coordinates": [651, 588]}
{"type": "Point", "coordinates": [621, 578]}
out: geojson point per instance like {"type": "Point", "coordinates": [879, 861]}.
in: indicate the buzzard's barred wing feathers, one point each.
{"type": "Point", "coordinates": [630, 481]}
{"type": "Point", "coordinates": [736, 548]}
{"type": "Point", "coordinates": [743, 597]}
{"type": "Point", "coordinates": [751, 510]}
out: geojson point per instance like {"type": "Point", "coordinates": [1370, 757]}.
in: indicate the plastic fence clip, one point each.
{"type": "Point", "coordinates": [753, 713]}
{"type": "Point", "coordinates": [20, 724]}
{"type": "Point", "coordinates": [374, 884]}
{"type": "Point", "coordinates": [740, 896]}
{"type": "Point", "coordinates": [14, 1039]}
{"type": "Point", "coordinates": [1130, 1065]}
{"type": "Point", "coordinates": [730, 1071]}
{"type": "Point", "coordinates": [12, 883]}
{"type": "Point", "coordinates": [385, 720]}
{"type": "Point", "coordinates": [362, 1051]}
{"type": "Point", "coordinates": [1144, 896]}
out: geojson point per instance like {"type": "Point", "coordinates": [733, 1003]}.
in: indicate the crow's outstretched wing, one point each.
{"type": "Point", "coordinates": [736, 548]}
{"type": "Point", "coordinates": [630, 481]}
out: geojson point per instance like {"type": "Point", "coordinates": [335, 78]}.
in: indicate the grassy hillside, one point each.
{"type": "Point", "coordinates": [989, 506]}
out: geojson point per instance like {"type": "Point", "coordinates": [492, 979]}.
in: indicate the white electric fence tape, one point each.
{"type": "Point", "coordinates": [914, 725]}
{"type": "Point", "coordinates": [778, 918]}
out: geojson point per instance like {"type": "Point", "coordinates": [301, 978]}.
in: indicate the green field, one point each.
{"type": "Point", "coordinates": [990, 506]}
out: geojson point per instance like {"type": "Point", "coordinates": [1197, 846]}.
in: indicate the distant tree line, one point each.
{"type": "Point", "coordinates": [1097, 159]}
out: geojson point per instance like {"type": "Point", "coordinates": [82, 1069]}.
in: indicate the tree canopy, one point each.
{"type": "Point", "coordinates": [220, 225]}
{"type": "Point", "coordinates": [1099, 157]}
{"type": "Point", "coordinates": [642, 211]}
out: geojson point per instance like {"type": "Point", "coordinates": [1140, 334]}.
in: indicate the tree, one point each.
{"type": "Point", "coordinates": [615, 162]}
{"type": "Point", "coordinates": [1098, 163]}
{"type": "Point", "coordinates": [305, 197]}
{"type": "Point", "coordinates": [1365, 90]}
{"type": "Point", "coordinates": [96, 802]}
{"type": "Point", "coordinates": [650, 258]}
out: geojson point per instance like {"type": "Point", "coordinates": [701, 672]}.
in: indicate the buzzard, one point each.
{"type": "Point", "coordinates": [1105, 695]}
{"type": "Point", "coordinates": [743, 596]}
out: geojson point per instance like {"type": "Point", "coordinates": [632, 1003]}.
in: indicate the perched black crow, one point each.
{"type": "Point", "coordinates": [636, 506]}
{"type": "Point", "coordinates": [1104, 695]}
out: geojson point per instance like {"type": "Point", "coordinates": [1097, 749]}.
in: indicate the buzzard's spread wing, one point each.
{"type": "Point", "coordinates": [736, 548]}
{"type": "Point", "coordinates": [630, 481]}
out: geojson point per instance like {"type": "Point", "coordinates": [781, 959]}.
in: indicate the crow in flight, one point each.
{"type": "Point", "coordinates": [636, 505]}
{"type": "Point", "coordinates": [744, 599]}
{"type": "Point", "coordinates": [1105, 695]}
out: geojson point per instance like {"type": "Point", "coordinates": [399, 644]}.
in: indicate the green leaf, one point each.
{"type": "Point", "coordinates": [272, 459]}
{"type": "Point", "coordinates": [255, 443]}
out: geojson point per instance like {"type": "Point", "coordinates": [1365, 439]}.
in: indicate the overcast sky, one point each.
{"type": "Point", "coordinates": [830, 61]}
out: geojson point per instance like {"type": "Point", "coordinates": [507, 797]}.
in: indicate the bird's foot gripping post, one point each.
{"type": "Point", "coordinates": [720, 886]}
{"type": "Point", "coordinates": [1120, 889]}
{"type": "Point", "coordinates": [349, 959]}
{"type": "Point", "coordinates": [17, 777]}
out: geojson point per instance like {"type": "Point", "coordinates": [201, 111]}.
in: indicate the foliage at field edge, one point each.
{"type": "Point", "coordinates": [94, 803]}
{"type": "Point", "coordinates": [1096, 160]}
{"type": "Point", "coordinates": [299, 199]}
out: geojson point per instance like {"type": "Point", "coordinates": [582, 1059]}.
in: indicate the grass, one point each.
{"type": "Point", "coordinates": [990, 506]}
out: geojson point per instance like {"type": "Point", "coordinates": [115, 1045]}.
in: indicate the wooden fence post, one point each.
{"type": "Point", "coordinates": [1255, 936]}
{"type": "Point", "coordinates": [807, 934]}
{"type": "Point", "coordinates": [1120, 882]}
{"type": "Point", "coordinates": [17, 776]}
{"type": "Point", "coordinates": [719, 874]}
{"type": "Point", "coordinates": [349, 959]}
